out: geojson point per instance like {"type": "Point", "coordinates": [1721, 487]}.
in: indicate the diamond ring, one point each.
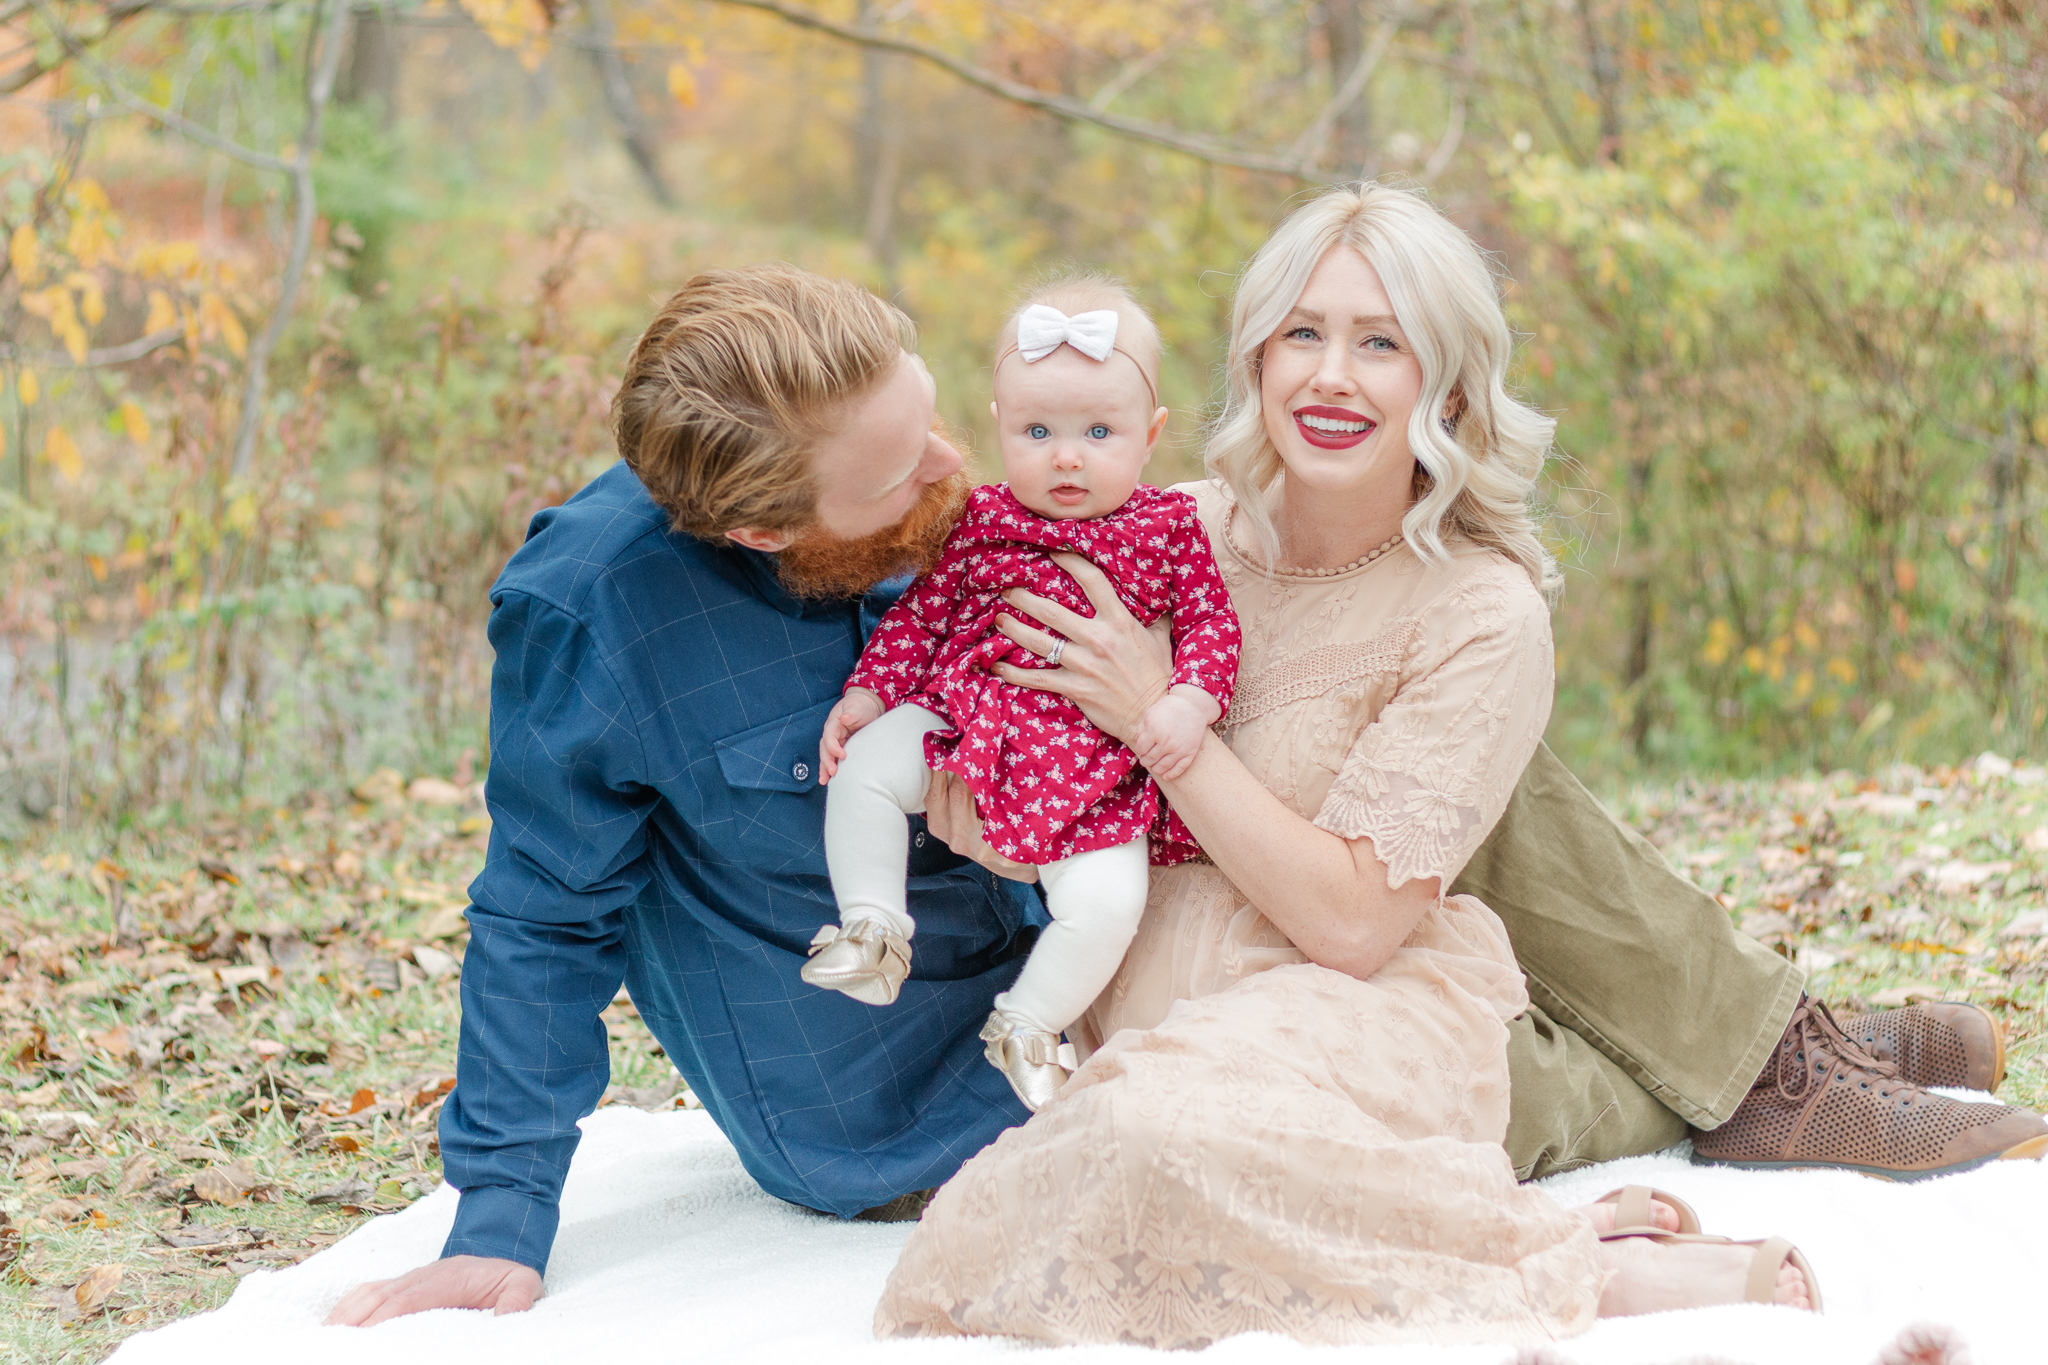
{"type": "Point", "coordinates": [1052, 657]}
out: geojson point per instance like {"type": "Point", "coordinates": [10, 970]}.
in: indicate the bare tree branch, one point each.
{"type": "Point", "coordinates": [1454, 130]}
{"type": "Point", "coordinates": [124, 354]}
{"type": "Point", "coordinates": [1136, 70]}
{"type": "Point", "coordinates": [35, 68]}
{"type": "Point", "coordinates": [319, 90]}
{"type": "Point", "coordinates": [1308, 148]}
{"type": "Point", "coordinates": [1193, 144]}
{"type": "Point", "coordinates": [198, 132]}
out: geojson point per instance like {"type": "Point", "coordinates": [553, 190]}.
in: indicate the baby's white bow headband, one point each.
{"type": "Point", "coordinates": [1041, 330]}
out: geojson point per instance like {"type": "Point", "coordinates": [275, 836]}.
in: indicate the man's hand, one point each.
{"type": "Point", "coordinates": [950, 815]}
{"type": "Point", "coordinates": [453, 1282]}
{"type": "Point", "coordinates": [1171, 733]}
{"type": "Point", "coordinates": [857, 710]}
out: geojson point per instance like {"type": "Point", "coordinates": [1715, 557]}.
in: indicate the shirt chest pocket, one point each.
{"type": "Point", "coordinates": [781, 756]}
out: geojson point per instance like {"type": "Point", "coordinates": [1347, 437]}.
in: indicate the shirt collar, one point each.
{"type": "Point", "coordinates": [760, 572]}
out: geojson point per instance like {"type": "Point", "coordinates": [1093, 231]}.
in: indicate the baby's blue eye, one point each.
{"type": "Point", "coordinates": [1098, 432]}
{"type": "Point", "coordinates": [1037, 432]}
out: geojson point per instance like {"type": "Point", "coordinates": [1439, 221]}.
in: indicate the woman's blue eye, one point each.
{"type": "Point", "coordinates": [1300, 332]}
{"type": "Point", "coordinates": [1378, 343]}
{"type": "Point", "coordinates": [1098, 432]}
{"type": "Point", "coordinates": [1036, 432]}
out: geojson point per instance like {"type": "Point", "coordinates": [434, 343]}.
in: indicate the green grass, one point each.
{"type": "Point", "coordinates": [237, 1020]}
{"type": "Point", "coordinates": [184, 1001]}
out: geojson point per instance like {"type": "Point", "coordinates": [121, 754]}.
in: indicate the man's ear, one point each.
{"type": "Point", "coordinates": [767, 542]}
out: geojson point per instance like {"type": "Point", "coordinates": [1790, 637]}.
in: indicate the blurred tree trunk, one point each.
{"type": "Point", "coordinates": [612, 75]}
{"type": "Point", "coordinates": [878, 157]}
{"type": "Point", "coordinates": [1351, 138]}
{"type": "Point", "coordinates": [370, 77]}
{"type": "Point", "coordinates": [1638, 443]}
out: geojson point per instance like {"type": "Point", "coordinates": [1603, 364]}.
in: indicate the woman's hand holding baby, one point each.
{"type": "Point", "coordinates": [1114, 669]}
{"type": "Point", "coordinates": [1171, 733]}
{"type": "Point", "coordinates": [857, 710]}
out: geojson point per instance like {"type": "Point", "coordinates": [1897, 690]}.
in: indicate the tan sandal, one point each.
{"type": "Point", "coordinates": [1770, 1253]}
{"type": "Point", "coordinates": [1632, 1212]}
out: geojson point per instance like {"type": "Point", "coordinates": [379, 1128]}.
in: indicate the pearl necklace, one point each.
{"type": "Point", "coordinates": [1230, 535]}
{"type": "Point", "coordinates": [1368, 557]}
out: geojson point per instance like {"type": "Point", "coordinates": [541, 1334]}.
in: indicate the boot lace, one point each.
{"type": "Point", "coordinates": [1814, 1033]}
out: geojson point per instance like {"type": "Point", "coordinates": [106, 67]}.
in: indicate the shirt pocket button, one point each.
{"type": "Point", "coordinates": [801, 772]}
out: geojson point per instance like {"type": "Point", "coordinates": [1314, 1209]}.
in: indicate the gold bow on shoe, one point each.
{"type": "Point", "coordinates": [867, 961]}
{"type": "Point", "coordinates": [1034, 1062]}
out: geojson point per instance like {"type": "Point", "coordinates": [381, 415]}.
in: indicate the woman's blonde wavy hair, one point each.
{"type": "Point", "coordinates": [1476, 479]}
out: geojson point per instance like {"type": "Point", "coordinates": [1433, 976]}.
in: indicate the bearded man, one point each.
{"type": "Point", "coordinates": [668, 644]}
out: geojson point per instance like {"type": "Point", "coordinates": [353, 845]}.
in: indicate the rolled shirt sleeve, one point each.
{"type": "Point", "coordinates": [546, 955]}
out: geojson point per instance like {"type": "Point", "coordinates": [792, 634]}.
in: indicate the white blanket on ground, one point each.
{"type": "Point", "coordinates": [668, 1251]}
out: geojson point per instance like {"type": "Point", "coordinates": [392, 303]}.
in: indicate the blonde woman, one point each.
{"type": "Point", "coordinates": [1293, 1116]}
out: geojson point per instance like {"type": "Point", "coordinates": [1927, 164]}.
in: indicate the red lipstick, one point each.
{"type": "Point", "coordinates": [1333, 440]}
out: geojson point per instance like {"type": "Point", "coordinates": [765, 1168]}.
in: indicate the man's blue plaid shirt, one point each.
{"type": "Point", "coordinates": [657, 819]}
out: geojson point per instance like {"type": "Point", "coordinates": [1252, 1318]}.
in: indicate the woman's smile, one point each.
{"type": "Point", "coordinates": [1332, 428]}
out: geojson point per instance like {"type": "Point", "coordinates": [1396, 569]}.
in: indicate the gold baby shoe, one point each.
{"type": "Point", "coordinates": [867, 961]}
{"type": "Point", "coordinates": [1034, 1062]}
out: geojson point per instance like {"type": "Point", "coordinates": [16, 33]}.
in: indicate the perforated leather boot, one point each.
{"type": "Point", "coordinates": [1943, 1043]}
{"type": "Point", "coordinates": [1824, 1101]}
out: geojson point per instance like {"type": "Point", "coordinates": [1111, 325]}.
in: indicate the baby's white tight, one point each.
{"type": "Point", "coordinates": [1095, 898]}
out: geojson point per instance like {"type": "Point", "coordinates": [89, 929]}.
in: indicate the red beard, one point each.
{"type": "Point", "coordinates": [820, 564]}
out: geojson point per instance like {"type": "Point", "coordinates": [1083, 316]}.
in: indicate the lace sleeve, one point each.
{"type": "Point", "coordinates": [1428, 778]}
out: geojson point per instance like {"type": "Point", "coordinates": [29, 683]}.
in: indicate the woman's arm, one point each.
{"type": "Point", "coordinates": [1329, 895]}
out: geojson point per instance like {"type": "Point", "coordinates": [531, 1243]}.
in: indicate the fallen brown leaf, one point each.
{"type": "Point", "coordinates": [137, 1172]}
{"type": "Point", "coordinates": [219, 871]}
{"type": "Point", "coordinates": [348, 1192]}
{"type": "Point", "coordinates": [227, 1185]}
{"type": "Point", "coordinates": [361, 1100]}
{"type": "Point", "coordinates": [99, 1282]}
{"type": "Point", "coordinates": [1898, 996]}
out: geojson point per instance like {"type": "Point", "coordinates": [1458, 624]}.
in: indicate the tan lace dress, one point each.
{"type": "Point", "coordinates": [1263, 1144]}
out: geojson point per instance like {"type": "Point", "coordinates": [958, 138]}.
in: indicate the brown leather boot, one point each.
{"type": "Point", "coordinates": [1824, 1101]}
{"type": "Point", "coordinates": [1943, 1043]}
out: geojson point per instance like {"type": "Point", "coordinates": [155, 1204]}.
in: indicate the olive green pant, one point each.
{"type": "Point", "coordinates": [1648, 1010]}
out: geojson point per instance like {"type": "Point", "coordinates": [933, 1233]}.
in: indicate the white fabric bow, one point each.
{"type": "Point", "coordinates": [1041, 330]}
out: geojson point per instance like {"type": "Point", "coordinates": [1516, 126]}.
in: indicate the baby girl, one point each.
{"type": "Point", "coordinates": [1077, 408]}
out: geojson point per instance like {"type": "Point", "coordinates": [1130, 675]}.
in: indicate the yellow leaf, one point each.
{"type": "Point", "coordinates": [161, 312]}
{"type": "Point", "coordinates": [62, 453]}
{"type": "Point", "coordinates": [231, 332]}
{"type": "Point", "coordinates": [28, 388]}
{"type": "Point", "coordinates": [98, 568]}
{"type": "Point", "coordinates": [88, 240]}
{"type": "Point", "coordinates": [90, 196]}
{"type": "Point", "coordinates": [521, 25]}
{"type": "Point", "coordinates": [24, 254]}
{"type": "Point", "coordinates": [241, 514]}
{"type": "Point", "coordinates": [682, 84]}
{"type": "Point", "coordinates": [1842, 671]}
{"type": "Point", "coordinates": [216, 316]}
{"type": "Point", "coordinates": [92, 300]}
{"type": "Point", "coordinates": [135, 422]}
